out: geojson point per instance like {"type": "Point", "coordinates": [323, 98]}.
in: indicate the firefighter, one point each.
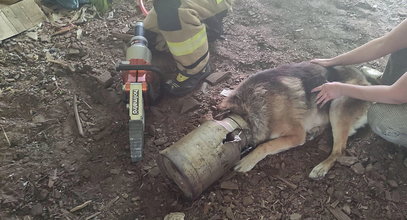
{"type": "Point", "coordinates": [183, 27]}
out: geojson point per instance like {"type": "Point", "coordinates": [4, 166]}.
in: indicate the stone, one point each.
{"type": "Point", "coordinates": [358, 168]}
{"type": "Point", "coordinates": [346, 209]}
{"type": "Point", "coordinates": [369, 167]}
{"type": "Point", "coordinates": [102, 76]}
{"type": "Point", "coordinates": [27, 217]}
{"type": "Point", "coordinates": [392, 183]}
{"type": "Point", "coordinates": [255, 180]}
{"type": "Point", "coordinates": [175, 216]}
{"type": "Point", "coordinates": [39, 119]}
{"type": "Point", "coordinates": [347, 161]}
{"type": "Point", "coordinates": [160, 141]}
{"type": "Point", "coordinates": [247, 201]}
{"type": "Point", "coordinates": [115, 171]}
{"type": "Point", "coordinates": [57, 194]}
{"type": "Point", "coordinates": [217, 77]}
{"type": "Point", "coordinates": [229, 185]}
{"type": "Point", "coordinates": [212, 196]}
{"type": "Point", "coordinates": [229, 213]}
{"type": "Point", "coordinates": [155, 171]}
{"type": "Point", "coordinates": [125, 29]}
{"type": "Point", "coordinates": [45, 38]}
{"type": "Point", "coordinates": [330, 190]}
{"type": "Point", "coordinates": [295, 216]}
{"type": "Point", "coordinates": [86, 174]}
{"type": "Point", "coordinates": [227, 199]}
{"type": "Point", "coordinates": [32, 34]}
{"type": "Point", "coordinates": [73, 52]}
{"type": "Point", "coordinates": [206, 208]}
{"type": "Point", "coordinates": [204, 88]}
{"type": "Point", "coordinates": [36, 209]}
{"type": "Point", "coordinates": [43, 194]}
{"type": "Point", "coordinates": [338, 194]}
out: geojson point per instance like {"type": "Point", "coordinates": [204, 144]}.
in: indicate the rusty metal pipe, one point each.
{"type": "Point", "coordinates": [204, 155]}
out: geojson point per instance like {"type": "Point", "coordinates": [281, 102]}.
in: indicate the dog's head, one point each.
{"type": "Point", "coordinates": [228, 105]}
{"type": "Point", "coordinates": [243, 99]}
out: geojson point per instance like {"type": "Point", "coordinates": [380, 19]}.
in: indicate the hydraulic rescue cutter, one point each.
{"type": "Point", "coordinates": [141, 85]}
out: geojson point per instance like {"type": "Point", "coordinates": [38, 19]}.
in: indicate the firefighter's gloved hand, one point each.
{"type": "Point", "coordinates": [214, 26]}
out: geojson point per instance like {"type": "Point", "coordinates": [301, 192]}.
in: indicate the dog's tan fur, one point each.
{"type": "Point", "coordinates": [281, 111]}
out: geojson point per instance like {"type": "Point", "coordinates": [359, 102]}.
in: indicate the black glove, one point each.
{"type": "Point", "coordinates": [214, 26]}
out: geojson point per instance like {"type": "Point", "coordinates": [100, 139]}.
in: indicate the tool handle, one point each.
{"type": "Point", "coordinates": [139, 29]}
{"type": "Point", "coordinates": [138, 67]}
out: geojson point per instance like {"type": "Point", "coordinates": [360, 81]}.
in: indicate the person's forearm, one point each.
{"type": "Point", "coordinates": [379, 93]}
{"type": "Point", "coordinates": [367, 52]}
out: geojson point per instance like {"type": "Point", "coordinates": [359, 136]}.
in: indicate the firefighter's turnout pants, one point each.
{"type": "Point", "coordinates": [182, 29]}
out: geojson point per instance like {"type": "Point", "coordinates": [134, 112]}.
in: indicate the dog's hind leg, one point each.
{"type": "Point", "coordinates": [293, 137]}
{"type": "Point", "coordinates": [342, 121]}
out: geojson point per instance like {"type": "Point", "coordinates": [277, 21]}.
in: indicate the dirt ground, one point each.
{"type": "Point", "coordinates": [48, 168]}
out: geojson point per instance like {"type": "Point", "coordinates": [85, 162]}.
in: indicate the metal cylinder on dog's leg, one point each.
{"type": "Point", "coordinates": [204, 155]}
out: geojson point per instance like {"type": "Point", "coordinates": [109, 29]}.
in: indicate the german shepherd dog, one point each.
{"type": "Point", "coordinates": [282, 113]}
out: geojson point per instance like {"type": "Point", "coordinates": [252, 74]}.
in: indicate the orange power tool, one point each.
{"type": "Point", "coordinates": [141, 85]}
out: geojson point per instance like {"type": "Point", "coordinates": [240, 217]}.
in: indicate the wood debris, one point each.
{"type": "Point", "coordinates": [5, 135]}
{"type": "Point", "coordinates": [81, 206]}
{"type": "Point", "coordinates": [78, 120]}
{"type": "Point", "coordinates": [64, 30]}
{"type": "Point", "coordinates": [291, 185]}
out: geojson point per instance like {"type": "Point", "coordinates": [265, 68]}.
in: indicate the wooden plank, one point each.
{"type": "Point", "coordinates": [8, 2]}
{"type": "Point", "coordinates": [216, 77]}
{"type": "Point", "coordinates": [13, 19]}
{"type": "Point", "coordinates": [6, 28]}
{"type": "Point", "coordinates": [32, 10]}
{"type": "Point", "coordinates": [21, 16]}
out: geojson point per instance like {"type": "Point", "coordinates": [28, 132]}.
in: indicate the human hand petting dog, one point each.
{"type": "Point", "coordinates": [327, 92]}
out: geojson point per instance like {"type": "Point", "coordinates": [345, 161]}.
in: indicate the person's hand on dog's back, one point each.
{"type": "Point", "coordinates": [327, 92]}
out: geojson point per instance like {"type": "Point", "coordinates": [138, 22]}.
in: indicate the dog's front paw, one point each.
{"type": "Point", "coordinates": [244, 166]}
{"type": "Point", "coordinates": [248, 162]}
{"type": "Point", "coordinates": [319, 171]}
